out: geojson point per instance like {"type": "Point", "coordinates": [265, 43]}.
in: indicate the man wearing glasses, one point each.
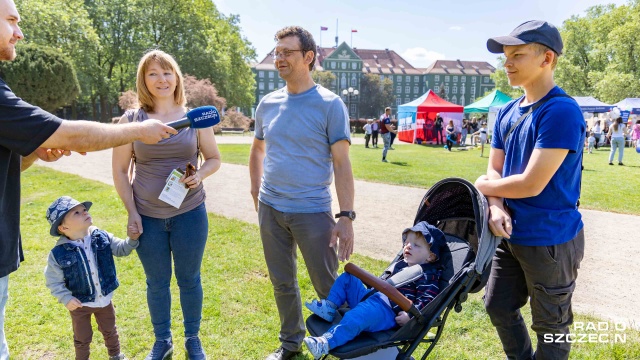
{"type": "Point", "coordinates": [301, 137]}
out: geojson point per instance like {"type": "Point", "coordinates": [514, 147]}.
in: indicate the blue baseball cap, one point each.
{"type": "Point", "coordinates": [533, 31]}
{"type": "Point", "coordinates": [432, 235]}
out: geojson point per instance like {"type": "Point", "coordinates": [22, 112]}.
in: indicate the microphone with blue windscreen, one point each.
{"type": "Point", "coordinates": [199, 118]}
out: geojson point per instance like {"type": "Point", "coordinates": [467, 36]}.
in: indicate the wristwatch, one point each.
{"type": "Point", "coordinates": [350, 214]}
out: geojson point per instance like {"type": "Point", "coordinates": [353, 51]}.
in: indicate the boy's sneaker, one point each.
{"type": "Point", "coordinates": [162, 349]}
{"type": "Point", "coordinates": [120, 356]}
{"type": "Point", "coordinates": [194, 349]}
{"type": "Point", "coordinates": [323, 308]}
{"type": "Point", "coordinates": [318, 346]}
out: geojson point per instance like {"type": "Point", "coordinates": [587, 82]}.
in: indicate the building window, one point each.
{"type": "Point", "coordinates": [354, 66]}
{"type": "Point", "coordinates": [486, 79]}
{"type": "Point", "coordinates": [271, 73]}
{"type": "Point", "coordinates": [398, 89]}
{"type": "Point", "coordinates": [407, 78]}
{"type": "Point", "coordinates": [462, 101]}
{"type": "Point", "coordinates": [260, 86]}
{"type": "Point", "coordinates": [415, 89]}
{"type": "Point", "coordinates": [463, 78]}
{"type": "Point", "coordinates": [353, 108]}
{"type": "Point", "coordinates": [436, 78]}
{"type": "Point", "coordinates": [446, 78]}
{"type": "Point", "coordinates": [455, 79]}
{"type": "Point", "coordinates": [436, 88]}
{"type": "Point", "coordinates": [260, 74]}
{"type": "Point", "coordinates": [281, 84]}
{"type": "Point", "coordinates": [260, 98]}
{"type": "Point", "coordinates": [446, 89]}
{"type": "Point", "coordinates": [381, 78]}
{"type": "Point", "coordinates": [270, 86]}
{"type": "Point", "coordinates": [343, 65]}
{"type": "Point", "coordinates": [398, 101]}
{"type": "Point", "coordinates": [354, 81]}
{"type": "Point", "coordinates": [343, 81]}
{"type": "Point", "coordinates": [407, 89]}
{"type": "Point", "coordinates": [462, 89]}
{"type": "Point", "coordinates": [473, 79]}
{"type": "Point", "coordinates": [333, 64]}
{"type": "Point", "coordinates": [399, 78]}
{"type": "Point", "coordinates": [416, 79]}
{"type": "Point", "coordinates": [454, 99]}
{"type": "Point", "coordinates": [406, 100]}
{"type": "Point", "coordinates": [472, 99]}
{"type": "Point", "coordinates": [473, 90]}
{"type": "Point", "coordinates": [454, 90]}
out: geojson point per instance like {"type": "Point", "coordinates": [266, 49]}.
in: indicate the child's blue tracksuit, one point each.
{"type": "Point", "coordinates": [376, 312]}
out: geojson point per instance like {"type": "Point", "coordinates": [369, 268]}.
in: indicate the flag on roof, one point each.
{"type": "Point", "coordinates": [323, 28]}
{"type": "Point", "coordinates": [354, 30]}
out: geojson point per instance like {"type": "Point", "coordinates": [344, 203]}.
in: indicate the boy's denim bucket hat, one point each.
{"type": "Point", "coordinates": [59, 208]}
{"type": "Point", "coordinates": [533, 31]}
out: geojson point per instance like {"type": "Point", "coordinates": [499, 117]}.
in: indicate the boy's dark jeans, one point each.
{"type": "Point", "coordinates": [82, 332]}
{"type": "Point", "coordinates": [546, 275]}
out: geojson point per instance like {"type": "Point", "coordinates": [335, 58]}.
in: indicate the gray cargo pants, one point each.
{"type": "Point", "coordinates": [281, 234]}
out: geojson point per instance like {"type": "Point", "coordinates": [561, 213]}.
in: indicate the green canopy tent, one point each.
{"type": "Point", "coordinates": [494, 98]}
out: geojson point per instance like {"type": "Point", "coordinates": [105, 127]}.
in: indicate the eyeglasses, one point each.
{"type": "Point", "coordinates": [284, 53]}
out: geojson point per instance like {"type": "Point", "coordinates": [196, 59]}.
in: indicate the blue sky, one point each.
{"type": "Point", "coordinates": [420, 31]}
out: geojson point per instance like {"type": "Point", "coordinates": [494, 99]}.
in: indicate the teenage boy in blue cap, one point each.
{"type": "Point", "coordinates": [533, 185]}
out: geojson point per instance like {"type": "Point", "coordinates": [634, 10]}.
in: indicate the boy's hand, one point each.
{"type": "Point", "coordinates": [73, 304]}
{"type": "Point", "coordinates": [402, 318]}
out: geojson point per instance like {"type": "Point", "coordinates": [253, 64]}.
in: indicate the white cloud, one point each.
{"type": "Point", "coordinates": [421, 57]}
{"type": "Point", "coordinates": [455, 28]}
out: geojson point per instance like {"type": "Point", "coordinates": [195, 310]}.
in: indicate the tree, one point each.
{"type": "Point", "coordinates": [602, 53]}
{"type": "Point", "coordinates": [106, 39]}
{"type": "Point", "coordinates": [325, 78]}
{"type": "Point", "coordinates": [499, 77]}
{"type": "Point", "coordinates": [64, 25]}
{"type": "Point", "coordinates": [375, 95]}
{"type": "Point", "coordinates": [201, 93]}
{"type": "Point", "coordinates": [128, 100]}
{"type": "Point", "coordinates": [41, 76]}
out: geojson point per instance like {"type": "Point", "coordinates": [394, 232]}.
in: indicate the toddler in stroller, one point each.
{"type": "Point", "coordinates": [422, 244]}
{"type": "Point", "coordinates": [455, 207]}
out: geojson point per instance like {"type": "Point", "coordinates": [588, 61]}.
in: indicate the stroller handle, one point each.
{"type": "Point", "coordinates": [384, 287]}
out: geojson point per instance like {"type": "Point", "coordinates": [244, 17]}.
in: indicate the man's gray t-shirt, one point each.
{"type": "Point", "coordinates": [298, 130]}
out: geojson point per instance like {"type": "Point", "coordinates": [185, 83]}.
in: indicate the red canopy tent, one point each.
{"type": "Point", "coordinates": [416, 118]}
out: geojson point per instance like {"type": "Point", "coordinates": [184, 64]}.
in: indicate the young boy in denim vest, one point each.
{"type": "Point", "coordinates": [81, 273]}
{"type": "Point", "coordinates": [422, 245]}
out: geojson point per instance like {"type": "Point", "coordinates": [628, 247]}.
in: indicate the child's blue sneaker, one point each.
{"type": "Point", "coordinates": [323, 308]}
{"type": "Point", "coordinates": [318, 346]}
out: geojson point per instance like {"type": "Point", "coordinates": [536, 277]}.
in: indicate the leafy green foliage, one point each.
{"type": "Point", "coordinates": [602, 53]}
{"type": "Point", "coordinates": [41, 76]}
{"type": "Point", "coordinates": [375, 95]}
{"type": "Point", "coordinates": [325, 78]}
{"type": "Point", "coordinates": [106, 39]}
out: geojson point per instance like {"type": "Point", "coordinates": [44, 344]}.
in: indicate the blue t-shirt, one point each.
{"type": "Point", "coordinates": [23, 128]}
{"type": "Point", "coordinates": [298, 130]}
{"type": "Point", "coordinates": [551, 217]}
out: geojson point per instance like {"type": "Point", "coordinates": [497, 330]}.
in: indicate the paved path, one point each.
{"type": "Point", "coordinates": [608, 285]}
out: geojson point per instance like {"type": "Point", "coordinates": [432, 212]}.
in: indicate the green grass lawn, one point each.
{"type": "Point", "coordinates": [604, 187]}
{"type": "Point", "coordinates": [240, 320]}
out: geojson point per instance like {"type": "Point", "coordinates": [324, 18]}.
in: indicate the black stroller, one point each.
{"type": "Point", "coordinates": [461, 212]}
